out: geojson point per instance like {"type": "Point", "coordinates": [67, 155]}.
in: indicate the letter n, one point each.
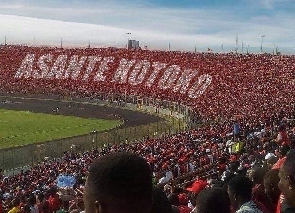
{"type": "Point", "coordinates": [58, 68]}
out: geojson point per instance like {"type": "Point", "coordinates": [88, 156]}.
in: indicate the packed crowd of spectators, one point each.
{"type": "Point", "coordinates": [242, 84]}
{"type": "Point", "coordinates": [170, 157]}
{"type": "Point", "coordinates": [252, 104]}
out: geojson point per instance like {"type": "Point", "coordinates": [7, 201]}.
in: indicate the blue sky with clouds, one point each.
{"type": "Point", "coordinates": [186, 24]}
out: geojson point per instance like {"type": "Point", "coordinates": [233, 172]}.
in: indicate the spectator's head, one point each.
{"type": "Point", "coordinates": [40, 197]}
{"type": "Point", "coordinates": [32, 200]}
{"type": "Point", "coordinates": [239, 190]}
{"type": "Point", "coordinates": [183, 199]}
{"type": "Point", "coordinates": [283, 150]}
{"type": "Point", "coordinates": [257, 175]}
{"type": "Point", "coordinates": [213, 200]}
{"type": "Point", "coordinates": [271, 180]}
{"type": "Point", "coordinates": [160, 202]}
{"type": "Point", "coordinates": [120, 182]}
{"type": "Point", "coordinates": [15, 202]}
{"type": "Point", "coordinates": [27, 209]}
{"type": "Point", "coordinates": [282, 127]}
{"type": "Point", "coordinates": [234, 166]}
{"type": "Point", "coordinates": [287, 178]}
{"type": "Point", "coordinates": [173, 199]}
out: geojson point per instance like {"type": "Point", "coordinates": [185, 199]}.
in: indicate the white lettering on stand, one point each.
{"type": "Point", "coordinates": [75, 66]}
{"type": "Point", "coordinates": [169, 77]}
{"type": "Point", "coordinates": [91, 65]}
{"type": "Point", "coordinates": [121, 73]}
{"type": "Point", "coordinates": [200, 86]}
{"type": "Point", "coordinates": [157, 68]}
{"type": "Point", "coordinates": [103, 68]}
{"type": "Point", "coordinates": [139, 72]}
{"type": "Point", "coordinates": [183, 82]}
{"type": "Point", "coordinates": [26, 68]}
{"type": "Point", "coordinates": [58, 67]}
{"type": "Point", "coordinates": [43, 66]}
{"type": "Point", "coordinates": [125, 71]}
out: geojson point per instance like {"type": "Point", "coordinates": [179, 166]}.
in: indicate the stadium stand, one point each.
{"type": "Point", "coordinates": [247, 100]}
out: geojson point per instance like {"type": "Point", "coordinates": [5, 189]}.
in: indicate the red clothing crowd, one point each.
{"type": "Point", "coordinates": [253, 91]}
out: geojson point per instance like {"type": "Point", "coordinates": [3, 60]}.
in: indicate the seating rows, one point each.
{"type": "Point", "coordinates": [254, 91]}
{"type": "Point", "coordinates": [216, 85]}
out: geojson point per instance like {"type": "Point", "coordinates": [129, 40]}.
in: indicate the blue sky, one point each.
{"type": "Point", "coordinates": [186, 24]}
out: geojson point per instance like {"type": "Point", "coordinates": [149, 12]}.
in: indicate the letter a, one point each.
{"type": "Point", "coordinates": [26, 68]}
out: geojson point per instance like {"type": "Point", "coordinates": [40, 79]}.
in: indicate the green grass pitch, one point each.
{"type": "Point", "coordinates": [24, 127]}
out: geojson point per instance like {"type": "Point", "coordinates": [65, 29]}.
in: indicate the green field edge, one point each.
{"type": "Point", "coordinates": [176, 125]}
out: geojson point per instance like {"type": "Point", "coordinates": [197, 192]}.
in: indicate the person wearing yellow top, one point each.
{"type": "Point", "coordinates": [15, 208]}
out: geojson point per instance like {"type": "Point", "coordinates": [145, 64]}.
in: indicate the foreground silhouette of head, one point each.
{"type": "Point", "coordinates": [119, 183]}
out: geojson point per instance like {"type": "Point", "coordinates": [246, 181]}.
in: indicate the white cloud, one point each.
{"type": "Point", "coordinates": [154, 27]}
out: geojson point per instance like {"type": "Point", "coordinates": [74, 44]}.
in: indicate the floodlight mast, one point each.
{"type": "Point", "coordinates": [261, 47]}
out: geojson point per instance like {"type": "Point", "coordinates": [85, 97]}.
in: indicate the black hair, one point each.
{"type": "Point", "coordinates": [271, 176]}
{"type": "Point", "coordinates": [41, 197]}
{"type": "Point", "coordinates": [284, 150]}
{"type": "Point", "coordinates": [213, 200]}
{"type": "Point", "coordinates": [160, 202]}
{"type": "Point", "coordinates": [27, 209]}
{"type": "Point", "coordinates": [121, 181]}
{"type": "Point", "coordinates": [271, 180]}
{"type": "Point", "coordinates": [242, 186]}
{"type": "Point", "coordinates": [258, 174]}
{"type": "Point", "coordinates": [234, 166]}
{"type": "Point", "coordinates": [173, 199]}
{"type": "Point", "coordinates": [32, 200]}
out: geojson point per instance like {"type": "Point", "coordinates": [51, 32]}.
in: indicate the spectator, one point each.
{"type": "Point", "coordinates": [54, 200]}
{"type": "Point", "coordinates": [240, 191]}
{"type": "Point", "coordinates": [119, 182]}
{"type": "Point", "coordinates": [287, 183]}
{"type": "Point", "coordinates": [183, 203]}
{"type": "Point", "coordinates": [271, 180]}
{"type": "Point", "coordinates": [282, 138]}
{"type": "Point", "coordinates": [212, 200]}
{"type": "Point", "coordinates": [77, 205]}
{"type": "Point", "coordinates": [160, 202]}
{"type": "Point", "coordinates": [32, 204]}
{"type": "Point", "coordinates": [43, 204]}
{"type": "Point", "coordinates": [15, 206]}
{"type": "Point", "coordinates": [258, 191]}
